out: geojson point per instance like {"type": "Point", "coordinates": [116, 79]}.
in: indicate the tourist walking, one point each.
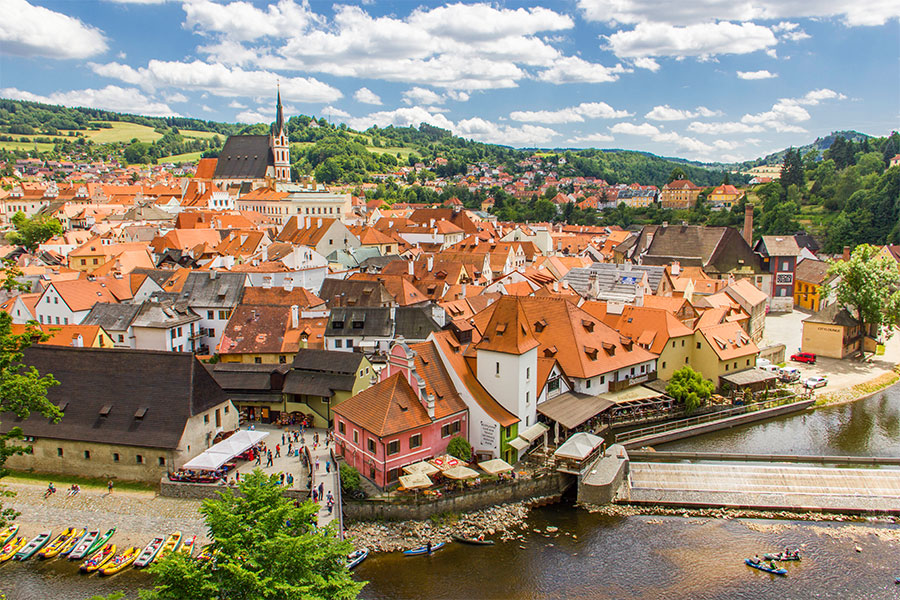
{"type": "Point", "coordinates": [269, 459]}
{"type": "Point", "coordinates": [321, 490]}
{"type": "Point", "coordinates": [315, 495]}
{"type": "Point", "coordinates": [290, 480]}
{"type": "Point", "coordinates": [277, 451]}
{"type": "Point", "coordinates": [328, 466]}
{"type": "Point", "coordinates": [290, 448]}
{"type": "Point", "coordinates": [258, 457]}
{"type": "Point", "coordinates": [317, 463]}
{"type": "Point", "coordinates": [282, 439]}
{"type": "Point", "coordinates": [109, 486]}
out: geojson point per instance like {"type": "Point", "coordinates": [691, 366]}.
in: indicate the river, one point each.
{"type": "Point", "coordinates": [598, 557]}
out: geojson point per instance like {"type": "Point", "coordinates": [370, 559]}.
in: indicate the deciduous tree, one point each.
{"type": "Point", "coordinates": [867, 283]}
{"type": "Point", "coordinates": [688, 386]}
{"type": "Point", "coordinates": [32, 232]}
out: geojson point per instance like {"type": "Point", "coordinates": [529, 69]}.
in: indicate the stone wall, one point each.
{"type": "Point", "coordinates": [550, 485]}
{"type": "Point", "coordinates": [774, 354]}
{"type": "Point", "coordinates": [602, 480]}
{"type": "Point", "coordinates": [200, 491]}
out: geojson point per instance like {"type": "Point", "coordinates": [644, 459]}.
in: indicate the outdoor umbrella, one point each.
{"type": "Point", "coordinates": [447, 462]}
{"type": "Point", "coordinates": [460, 473]}
{"type": "Point", "coordinates": [423, 467]}
{"type": "Point", "coordinates": [415, 481]}
{"type": "Point", "coordinates": [495, 466]}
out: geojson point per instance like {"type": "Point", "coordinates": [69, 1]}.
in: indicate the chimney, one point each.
{"type": "Point", "coordinates": [212, 274]}
{"type": "Point", "coordinates": [462, 290]}
{"type": "Point", "coordinates": [267, 282]}
{"type": "Point", "coordinates": [288, 284]}
{"type": "Point", "coordinates": [429, 405]}
{"type": "Point", "coordinates": [748, 224]}
{"type": "Point", "coordinates": [410, 268]}
{"type": "Point", "coordinates": [78, 341]}
{"type": "Point", "coordinates": [846, 253]}
{"type": "Point", "coordinates": [430, 263]}
{"type": "Point", "coordinates": [595, 285]}
{"type": "Point", "coordinates": [556, 286]}
{"type": "Point", "coordinates": [319, 223]}
{"type": "Point", "coordinates": [265, 253]}
{"type": "Point", "coordinates": [295, 316]}
{"type": "Point", "coordinates": [336, 302]}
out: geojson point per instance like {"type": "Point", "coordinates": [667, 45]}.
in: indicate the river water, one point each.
{"type": "Point", "coordinates": [639, 557]}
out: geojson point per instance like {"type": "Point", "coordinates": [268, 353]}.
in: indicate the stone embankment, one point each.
{"type": "Point", "coordinates": [502, 522]}
{"type": "Point", "coordinates": [630, 510]}
{"type": "Point", "coordinates": [860, 390]}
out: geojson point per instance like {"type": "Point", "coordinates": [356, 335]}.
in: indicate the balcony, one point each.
{"type": "Point", "coordinates": [616, 386]}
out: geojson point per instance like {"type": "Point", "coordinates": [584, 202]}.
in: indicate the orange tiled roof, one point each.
{"type": "Point", "coordinates": [728, 340]}
{"type": "Point", "coordinates": [388, 407]}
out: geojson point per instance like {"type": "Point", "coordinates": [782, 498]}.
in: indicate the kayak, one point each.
{"type": "Point", "coordinates": [34, 545]}
{"type": "Point", "coordinates": [764, 567]}
{"type": "Point", "coordinates": [187, 547]}
{"type": "Point", "coordinates": [80, 550]}
{"type": "Point", "coordinates": [171, 545]}
{"type": "Point", "coordinates": [473, 541]}
{"type": "Point", "coordinates": [148, 554]}
{"type": "Point", "coordinates": [53, 548]}
{"type": "Point", "coordinates": [98, 543]}
{"type": "Point", "coordinates": [356, 557]}
{"type": "Point", "coordinates": [120, 561]}
{"type": "Point", "coordinates": [67, 548]}
{"type": "Point", "coordinates": [99, 558]}
{"type": "Point", "coordinates": [7, 534]}
{"type": "Point", "coordinates": [423, 550]}
{"type": "Point", "coordinates": [781, 556]}
{"type": "Point", "coordinates": [12, 547]}
{"type": "Point", "coordinates": [207, 553]}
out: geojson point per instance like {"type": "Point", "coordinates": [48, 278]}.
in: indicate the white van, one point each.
{"type": "Point", "coordinates": [789, 374]}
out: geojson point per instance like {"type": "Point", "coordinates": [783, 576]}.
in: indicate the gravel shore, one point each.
{"type": "Point", "coordinates": [629, 510]}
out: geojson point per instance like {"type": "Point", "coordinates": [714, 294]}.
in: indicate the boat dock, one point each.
{"type": "Point", "coordinates": [764, 486]}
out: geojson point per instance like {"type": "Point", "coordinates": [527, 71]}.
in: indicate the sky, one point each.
{"type": "Point", "coordinates": [708, 80]}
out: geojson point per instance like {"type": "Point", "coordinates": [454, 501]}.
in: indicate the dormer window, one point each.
{"type": "Point", "coordinates": [588, 325]}
{"type": "Point", "coordinates": [104, 412]}
{"type": "Point", "coordinates": [591, 352]}
{"type": "Point", "coordinates": [540, 325]}
{"type": "Point", "coordinates": [337, 324]}
{"type": "Point", "coordinates": [501, 328]}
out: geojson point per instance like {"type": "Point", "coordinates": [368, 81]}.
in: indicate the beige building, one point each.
{"type": "Point", "coordinates": [722, 349]}
{"type": "Point", "coordinates": [832, 332]}
{"type": "Point", "coordinates": [127, 414]}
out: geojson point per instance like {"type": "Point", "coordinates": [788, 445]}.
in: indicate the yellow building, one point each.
{"type": "Point", "coordinates": [832, 332]}
{"type": "Point", "coordinates": [680, 193]}
{"type": "Point", "coordinates": [809, 279]}
{"type": "Point", "coordinates": [724, 196]}
{"type": "Point", "coordinates": [722, 349]}
{"type": "Point", "coordinates": [321, 379]}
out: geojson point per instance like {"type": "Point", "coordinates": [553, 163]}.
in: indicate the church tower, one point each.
{"type": "Point", "coordinates": [280, 146]}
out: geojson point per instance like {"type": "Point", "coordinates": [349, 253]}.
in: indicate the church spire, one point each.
{"type": "Point", "coordinates": [278, 127]}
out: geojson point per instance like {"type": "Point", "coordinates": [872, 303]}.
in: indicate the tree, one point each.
{"type": "Point", "coordinates": [33, 232]}
{"type": "Point", "coordinates": [267, 549]}
{"type": "Point", "coordinates": [460, 448]}
{"type": "Point", "coordinates": [677, 174]}
{"type": "Point", "coordinates": [689, 387]}
{"type": "Point", "coordinates": [867, 283]}
{"type": "Point", "coordinates": [792, 169]}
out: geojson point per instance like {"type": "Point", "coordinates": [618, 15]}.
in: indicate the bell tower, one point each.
{"type": "Point", "coordinates": [280, 146]}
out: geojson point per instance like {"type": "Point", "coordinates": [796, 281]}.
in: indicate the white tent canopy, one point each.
{"type": "Point", "coordinates": [415, 481]}
{"type": "Point", "coordinates": [218, 454]}
{"type": "Point", "coordinates": [534, 432]}
{"type": "Point", "coordinates": [421, 467]}
{"type": "Point", "coordinates": [579, 446]}
{"type": "Point", "coordinates": [495, 466]}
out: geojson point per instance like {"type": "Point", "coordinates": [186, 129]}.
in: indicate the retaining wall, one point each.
{"type": "Point", "coordinates": [550, 485]}
{"type": "Point", "coordinates": [200, 491]}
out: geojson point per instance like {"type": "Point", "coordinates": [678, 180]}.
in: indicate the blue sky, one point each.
{"type": "Point", "coordinates": [712, 80]}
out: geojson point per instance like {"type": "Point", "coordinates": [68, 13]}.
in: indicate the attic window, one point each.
{"type": "Point", "coordinates": [609, 348]}
{"type": "Point", "coordinates": [591, 352]}
{"type": "Point", "coordinates": [501, 328]}
{"type": "Point", "coordinates": [337, 324]}
{"type": "Point", "coordinates": [62, 405]}
{"type": "Point", "coordinates": [539, 325]}
{"type": "Point", "coordinates": [589, 325]}
{"type": "Point", "coordinates": [551, 351]}
{"type": "Point", "coordinates": [358, 324]}
{"type": "Point", "coordinates": [140, 413]}
{"type": "Point", "coordinates": [104, 412]}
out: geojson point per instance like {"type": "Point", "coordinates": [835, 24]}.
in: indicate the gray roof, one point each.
{"type": "Point", "coordinates": [160, 276]}
{"type": "Point", "coordinates": [317, 384]}
{"type": "Point", "coordinates": [171, 386]}
{"type": "Point", "coordinates": [778, 245]}
{"type": "Point", "coordinates": [377, 263]}
{"type": "Point", "coordinates": [240, 377]}
{"type": "Point", "coordinates": [833, 314]}
{"type": "Point", "coordinates": [353, 257]}
{"type": "Point", "coordinates": [413, 323]}
{"type": "Point", "coordinates": [354, 292]}
{"type": "Point", "coordinates": [213, 289]}
{"type": "Point", "coordinates": [164, 314]}
{"type": "Point", "coordinates": [716, 249]}
{"type": "Point", "coordinates": [614, 281]}
{"type": "Point", "coordinates": [327, 361]}
{"type": "Point", "coordinates": [244, 157]}
{"type": "Point", "coordinates": [112, 317]}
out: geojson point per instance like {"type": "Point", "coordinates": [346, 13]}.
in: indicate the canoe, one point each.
{"type": "Point", "coordinates": [99, 542]}
{"type": "Point", "coordinates": [764, 567]}
{"type": "Point", "coordinates": [356, 557]}
{"type": "Point", "coordinates": [187, 547]}
{"type": "Point", "coordinates": [12, 547]}
{"type": "Point", "coordinates": [7, 534]}
{"type": "Point", "coordinates": [206, 553]}
{"type": "Point", "coordinates": [781, 556]}
{"type": "Point", "coordinates": [53, 548]}
{"type": "Point", "coordinates": [171, 545]}
{"type": "Point", "coordinates": [120, 561]}
{"type": "Point", "coordinates": [473, 541]}
{"type": "Point", "coordinates": [84, 544]}
{"type": "Point", "coordinates": [34, 545]}
{"type": "Point", "coordinates": [99, 558]}
{"type": "Point", "coordinates": [73, 541]}
{"type": "Point", "coordinates": [148, 554]}
{"type": "Point", "coordinates": [423, 550]}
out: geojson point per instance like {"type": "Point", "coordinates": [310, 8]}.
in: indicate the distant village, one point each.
{"type": "Point", "coordinates": [182, 301]}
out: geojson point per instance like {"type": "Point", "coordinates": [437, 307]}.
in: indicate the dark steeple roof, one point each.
{"type": "Point", "coordinates": [278, 126]}
{"type": "Point", "coordinates": [244, 157]}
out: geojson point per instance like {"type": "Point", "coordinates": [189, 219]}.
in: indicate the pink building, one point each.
{"type": "Point", "coordinates": [410, 415]}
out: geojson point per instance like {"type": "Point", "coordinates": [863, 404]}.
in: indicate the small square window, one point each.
{"type": "Point", "coordinates": [206, 419]}
{"type": "Point", "coordinates": [371, 445]}
{"type": "Point", "coordinates": [162, 461]}
{"type": "Point", "coordinates": [139, 459]}
{"type": "Point", "coordinates": [116, 457]}
{"type": "Point", "coordinates": [87, 455]}
{"type": "Point", "coordinates": [59, 451]}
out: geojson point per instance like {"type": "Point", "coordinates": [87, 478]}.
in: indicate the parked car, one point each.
{"type": "Point", "coordinates": [815, 382]}
{"type": "Point", "coordinates": [789, 374]}
{"type": "Point", "coordinates": [769, 368]}
{"type": "Point", "coordinates": [804, 357]}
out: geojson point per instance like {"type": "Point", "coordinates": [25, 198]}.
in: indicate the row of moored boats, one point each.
{"type": "Point", "coordinates": [94, 548]}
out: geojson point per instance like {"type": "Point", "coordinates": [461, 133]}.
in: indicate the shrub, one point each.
{"type": "Point", "coordinates": [460, 448]}
{"type": "Point", "coordinates": [349, 478]}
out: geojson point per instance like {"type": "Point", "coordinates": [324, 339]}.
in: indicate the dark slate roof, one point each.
{"type": "Point", "coordinates": [716, 249]}
{"type": "Point", "coordinates": [376, 322]}
{"type": "Point", "coordinates": [112, 317]}
{"type": "Point", "coordinates": [377, 263]}
{"type": "Point", "coordinates": [353, 292]}
{"type": "Point", "coordinates": [804, 240]}
{"type": "Point", "coordinates": [244, 157]}
{"type": "Point", "coordinates": [241, 377]}
{"type": "Point", "coordinates": [317, 384]}
{"type": "Point", "coordinates": [213, 289]}
{"type": "Point", "coordinates": [414, 323]}
{"type": "Point", "coordinates": [159, 276]}
{"type": "Point", "coordinates": [327, 361]}
{"type": "Point", "coordinates": [171, 386]}
{"type": "Point", "coordinates": [833, 314]}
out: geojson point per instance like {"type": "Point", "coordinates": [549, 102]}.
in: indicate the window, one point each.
{"type": "Point", "coordinates": [223, 315]}
{"type": "Point", "coordinates": [450, 429]}
{"type": "Point", "coordinates": [497, 369]}
{"type": "Point", "coordinates": [338, 343]}
{"type": "Point", "coordinates": [172, 333]}
{"type": "Point", "coordinates": [206, 419]}
{"type": "Point", "coordinates": [748, 362]}
{"type": "Point", "coordinates": [682, 343]}
{"type": "Point", "coordinates": [115, 457]}
{"type": "Point", "coordinates": [735, 364]}
{"type": "Point", "coordinates": [282, 359]}
{"type": "Point", "coordinates": [698, 345]}
{"type": "Point", "coordinates": [602, 379]}
{"type": "Point", "coordinates": [162, 461]}
{"type": "Point", "coordinates": [726, 366]}
{"type": "Point", "coordinates": [226, 409]}
{"type": "Point", "coordinates": [588, 384]}
{"type": "Point", "coordinates": [211, 332]}
{"type": "Point", "coordinates": [342, 429]}
{"type": "Point", "coordinates": [57, 320]}
{"type": "Point", "coordinates": [257, 359]}
{"type": "Point", "coordinates": [553, 384]}
{"type": "Point", "coordinates": [372, 445]}
{"type": "Point", "coordinates": [349, 344]}
{"type": "Point", "coordinates": [664, 365]}
{"type": "Point", "coordinates": [685, 360]}
{"type": "Point", "coordinates": [83, 262]}
{"type": "Point", "coordinates": [337, 324]}
{"type": "Point", "coordinates": [66, 320]}
{"type": "Point", "coordinates": [415, 441]}
{"type": "Point", "coordinates": [96, 261]}
{"type": "Point", "coordinates": [527, 397]}
{"type": "Point", "coordinates": [139, 459]}
{"type": "Point", "coordinates": [121, 338]}
{"type": "Point", "coordinates": [643, 368]}
{"type": "Point", "coordinates": [87, 455]}
{"type": "Point", "coordinates": [527, 373]}
{"type": "Point", "coordinates": [393, 447]}
{"type": "Point", "coordinates": [59, 451]}
{"type": "Point", "coordinates": [673, 343]}
{"type": "Point", "coordinates": [218, 418]}
{"type": "Point", "coordinates": [393, 474]}
{"type": "Point", "coordinates": [209, 314]}
{"type": "Point", "coordinates": [56, 301]}
{"type": "Point", "coordinates": [355, 437]}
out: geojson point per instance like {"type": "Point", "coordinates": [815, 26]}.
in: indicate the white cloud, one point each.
{"type": "Point", "coordinates": [400, 117]}
{"type": "Point", "coordinates": [486, 131]}
{"type": "Point", "coordinates": [787, 112]}
{"type": "Point", "coordinates": [331, 111]}
{"type": "Point", "coordinates": [723, 128]}
{"type": "Point", "coordinates": [571, 69]}
{"type": "Point", "coordinates": [572, 114]}
{"type": "Point", "coordinates": [763, 74]}
{"type": "Point", "coordinates": [176, 98]}
{"type": "Point", "coordinates": [236, 104]}
{"type": "Point", "coordinates": [476, 22]}
{"type": "Point", "coordinates": [419, 95]}
{"type": "Point", "coordinates": [366, 96]}
{"type": "Point", "coordinates": [645, 129]}
{"type": "Point", "coordinates": [876, 12]}
{"type": "Point", "coordinates": [591, 138]}
{"type": "Point", "coordinates": [138, 1]}
{"type": "Point", "coordinates": [112, 97]}
{"type": "Point", "coordinates": [667, 113]}
{"type": "Point", "coordinates": [646, 63]}
{"type": "Point", "coordinates": [251, 116]}
{"type": "Point", "coordinates": [207, 108]}
{"type": "Point", "coordinates": [243, 21]}
{"type": "Point", "coordinates": [27, 30]}
{"type": "Point", "coordinates": [218, 79]}
{"type": "Point", "coordinates": [700, 40]}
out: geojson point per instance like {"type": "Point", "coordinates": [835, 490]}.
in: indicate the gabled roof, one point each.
{"type": "Point", "coordinates": [507, 329]}
{"type": "Point", "coordinates": [728, 340]}
{"type": "Point", "coordinates": [112, 317]}
{"type": "Point", "coordinates": [244, 157]}
{"type": "Point", "coordinates": [777, 245]}
{"type": "Point", "coordinates": [833, 314]}
{"type": "Point", "coordinates": [812, 271]}
{"type": "Point", "coordinates": [81, 294]}
{"type": "Point", "coordinates": [388, 407]}
{"type": "Point", "coordinates": [166, 387]}
{"type": "Point", "coordinates": [213, 289]}
{"type": "Point", "coordinates": [353, 292]}
{"type": "Point", "coordinates": [327, 361]}
{"type": "Point", "coordinates": [279, 296]}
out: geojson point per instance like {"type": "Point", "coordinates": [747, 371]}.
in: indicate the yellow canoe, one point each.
{"type": "Point", "coordinates": [7, 534]}
{"type": "Point", "coordinates": [121, 561]}
{"type": "Point", "coordinates": [73, 541]}
{"type": "Point", "coordinates": [206, 553]}
{"type": "Point", "coordinates": [12, 547]}
{"type": "Point", "coordinates": [55, 547]}
{"type": "Point", "coordinates": [171, 545]}
{"type": "Point", "coordinates": [99, 558]}
{"type": "Point", "coordinates": [187, 546]}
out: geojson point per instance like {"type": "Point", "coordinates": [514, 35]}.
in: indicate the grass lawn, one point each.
{"type": "Point", "coordinates": [193, 133]}
{"type": "Point", "coordinates": [42, 147]}
{"type": "Point", "coordinates": [64, 481]}
{"type": "Point", "coordinates": [404, 152]}
{"type": "Point", "coordinates": [123, 132]}
{"type": "Point", "coordinates": [178, 158]}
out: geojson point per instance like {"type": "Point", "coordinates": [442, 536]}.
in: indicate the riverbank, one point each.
{"type": "Point", "coordinates": [631, 510]}
{"type": "Point", "coordinates": [860, 391]}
